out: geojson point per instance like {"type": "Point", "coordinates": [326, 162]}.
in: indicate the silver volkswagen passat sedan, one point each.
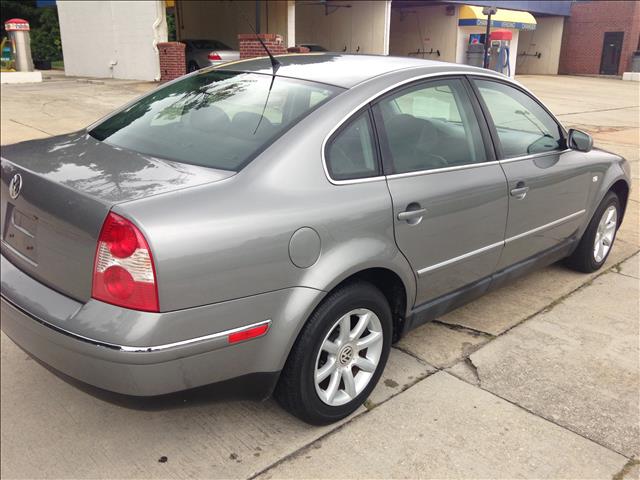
{"type": "Point", "coordinates": [284, 227]}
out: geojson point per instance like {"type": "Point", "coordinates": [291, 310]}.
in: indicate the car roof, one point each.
{"type": "Point", "coordinates": [342, 70]}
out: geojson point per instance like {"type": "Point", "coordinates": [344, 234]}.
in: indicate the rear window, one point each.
{"type": "Point", "coordinates": [214, 119]}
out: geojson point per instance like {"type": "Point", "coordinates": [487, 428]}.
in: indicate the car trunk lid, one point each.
{"type": "Point", "coordinates": [50, 222]}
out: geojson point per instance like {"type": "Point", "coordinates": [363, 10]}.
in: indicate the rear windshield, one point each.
{"type": "Point", "coordinates": [214, 119]}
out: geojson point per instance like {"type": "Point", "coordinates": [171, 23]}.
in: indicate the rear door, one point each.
{"type": "Point", "coordinates": [548, 183]}
{"type": "Point", "coordinates": [449, 194]}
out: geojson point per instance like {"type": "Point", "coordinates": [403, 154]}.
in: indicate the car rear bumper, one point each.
{"type": "Point", "coordinates": [149, 368]}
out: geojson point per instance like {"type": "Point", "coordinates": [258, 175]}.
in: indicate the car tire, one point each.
{"type": "Point", "coordinates": [592, 250]}
{"type": "Point", "coordinates": [329, 400]}
{"type": "Point", "coordinates": [192, 67]}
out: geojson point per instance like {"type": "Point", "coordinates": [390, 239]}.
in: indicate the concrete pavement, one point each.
{"type": "Point", "coordinates": [536, 380]}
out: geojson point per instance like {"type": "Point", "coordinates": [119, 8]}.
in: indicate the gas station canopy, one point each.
{"type": "Point", "coordinates": [472, 16]}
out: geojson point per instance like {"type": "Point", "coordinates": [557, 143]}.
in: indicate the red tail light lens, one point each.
{"type": "Point", "coordinates": [124, 273]}
{"type": "Point", "coordinates": [214, 56]}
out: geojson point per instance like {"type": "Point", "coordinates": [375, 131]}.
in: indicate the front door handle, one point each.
{"type": "Point", "coordinates": [520, 191]}
{"type": "Point", "coordinates": [409, 215]}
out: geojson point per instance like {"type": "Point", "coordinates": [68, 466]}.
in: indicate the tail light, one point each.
{"type": "Point", "coordinates": [214, 56]}
{"type": "Point", "coordinates": [123, 273]}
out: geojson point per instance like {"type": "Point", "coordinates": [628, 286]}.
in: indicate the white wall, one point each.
{"type": "Point", "coordinates": [415, 27]}
{"type": "Point", "coordinates": [114, 39]}
{"type": "Point", "coordinates": [463, 42]}
{"type": "Point", "coordinates": [349, 25]}
{"type": "Point", "coordinates": [546, 39]}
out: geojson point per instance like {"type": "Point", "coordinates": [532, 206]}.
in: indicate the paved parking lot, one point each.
{"type": "Point", "coordinates": [537, 380]}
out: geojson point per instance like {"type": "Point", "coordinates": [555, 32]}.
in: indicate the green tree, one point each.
{"type": "Point", "coordinates": [45, 38]}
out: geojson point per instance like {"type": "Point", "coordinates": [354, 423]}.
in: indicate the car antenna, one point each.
{"type": "Point", "coordinates": [275, 65]}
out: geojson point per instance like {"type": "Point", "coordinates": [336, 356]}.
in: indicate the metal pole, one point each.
{"type": "Point", "coordinates": [485, 62]}
{"type": "Point", "coordinates": [257, 16]}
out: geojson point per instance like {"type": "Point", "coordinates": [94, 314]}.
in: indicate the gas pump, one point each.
{"type": "Point", "coordinates": [500, 41]}
{"type": "Point", "coordinates": [18, 30]}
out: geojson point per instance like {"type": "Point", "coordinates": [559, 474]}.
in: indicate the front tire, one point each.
{"type": "Point", "coordinates": [597, 240]}
{"type": "Point", "coordinates": [339, 355]}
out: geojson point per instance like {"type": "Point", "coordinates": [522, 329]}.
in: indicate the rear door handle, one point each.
{"type": "Point", "coordinates": [412, 214]}
{"type": "Point", "coordinates": [520, 191]}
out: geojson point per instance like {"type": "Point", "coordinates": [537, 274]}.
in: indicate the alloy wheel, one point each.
{"type": "Point", "coordinates": [605, 233]}
{"type": "Point", "coordinates": [348, 357]}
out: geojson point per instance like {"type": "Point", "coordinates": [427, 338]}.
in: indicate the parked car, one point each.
{"type": "Point", "coordinates": [284, 230]}
{"type": "Point", "coordinates": [313, 47]}
{"type": "Point", "coordinates": [204, 53]}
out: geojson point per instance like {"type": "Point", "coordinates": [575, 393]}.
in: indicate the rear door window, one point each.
{"type": "Point", "coordinates": [214, 119]}
{"type": "Point", "coordinates": [428, 126]}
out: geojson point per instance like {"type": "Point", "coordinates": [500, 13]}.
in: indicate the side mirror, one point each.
{"type": "Point", "coordinates": [579, 140]}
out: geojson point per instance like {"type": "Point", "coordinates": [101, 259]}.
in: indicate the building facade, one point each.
{"type": "Point", "coordinates": [119, 39]}
{"type": "Point", "coordinates": [600, 38]}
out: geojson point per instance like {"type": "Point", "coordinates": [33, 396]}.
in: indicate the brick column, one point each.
{"type": "Point", "coordinates": [250, 46]}
{"type": "Point", "coordinates": [172, 60]}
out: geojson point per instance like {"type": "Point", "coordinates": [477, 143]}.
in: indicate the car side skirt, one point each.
{"type": "Point", "coordinates": [435, 308]}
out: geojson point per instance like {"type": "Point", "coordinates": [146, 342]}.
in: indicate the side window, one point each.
{"type": "Point", "coordinates": [351, 153]}
{"type": "Point", "coordinates": [523, 126]}
{"type": "Point", "coordinates": [430, 126]}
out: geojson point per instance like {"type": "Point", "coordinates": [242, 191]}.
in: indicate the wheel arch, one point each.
{"type": "Point", "coordinates": [621, 189]}
{"type": "Point", "coordinates": [391, 286]}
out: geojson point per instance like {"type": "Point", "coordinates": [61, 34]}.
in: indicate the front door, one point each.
{"type": "Point", "coordinates": [611, 50]}
{"type": "Point", "coordinates": [449, 194]}
{"type": "Point", "coordinates": [548, 184]}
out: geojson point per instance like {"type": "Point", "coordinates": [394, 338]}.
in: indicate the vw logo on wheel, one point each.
{"type": "Point", "coordinates": [345, 354]}
{"type": "Point", "coordinates": [15, 185]}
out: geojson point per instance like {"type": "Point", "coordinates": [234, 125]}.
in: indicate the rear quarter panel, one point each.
{"type": "Point", "coordinates": [231, 240]}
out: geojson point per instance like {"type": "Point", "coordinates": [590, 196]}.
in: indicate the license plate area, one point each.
{"type": "Point", "coordinates": [20, 232]}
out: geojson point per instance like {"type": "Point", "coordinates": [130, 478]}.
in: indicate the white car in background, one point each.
{"type": "Point", "coordinates": [204, 53]}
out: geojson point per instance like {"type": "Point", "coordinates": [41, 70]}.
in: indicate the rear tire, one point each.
{"type": "Point", "coordinates": [332, 369]}
{"type": "Point", "coordinates": [597, 241]}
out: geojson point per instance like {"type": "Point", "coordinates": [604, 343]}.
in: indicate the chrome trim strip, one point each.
{"type": "Point", "coordinates": [441, 170]}
{"type": "Point", "coordinates": [544, 227]}
{"type": "Point", "coordinates": [130, 349]}
{"type": "Point", "coordinates": [464, 256]}
{"type": "Point", "coordinates": [534, 155]}
{"type": "Point", "coordinates": [422, 271]}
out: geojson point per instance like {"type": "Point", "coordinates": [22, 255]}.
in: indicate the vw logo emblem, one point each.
{"type": "Point", "coordinates": [15, 185]}
{"type": "Point", "coordinates": [346, 354]}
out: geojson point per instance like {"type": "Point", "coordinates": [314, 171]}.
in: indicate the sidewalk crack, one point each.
{"type": "Point", "coordinates": [626, 469]}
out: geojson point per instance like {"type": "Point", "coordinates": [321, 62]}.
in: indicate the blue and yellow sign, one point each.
{"type": "Point", "coordinates": [472, 16]}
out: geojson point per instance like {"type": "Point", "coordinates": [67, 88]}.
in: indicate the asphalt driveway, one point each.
{"type": "Point", "coordinates": [537, 380]}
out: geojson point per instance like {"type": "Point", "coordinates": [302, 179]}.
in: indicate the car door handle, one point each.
{"type": "Point", "coordinates": [520, 191]}
{"type": "Point", "coordinates": [411, 214]}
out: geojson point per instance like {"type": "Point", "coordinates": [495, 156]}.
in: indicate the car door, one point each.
{"type": "Point", "coordinates": [548, 183]}
{"type": "Point", "coordinates": [448, 192]}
